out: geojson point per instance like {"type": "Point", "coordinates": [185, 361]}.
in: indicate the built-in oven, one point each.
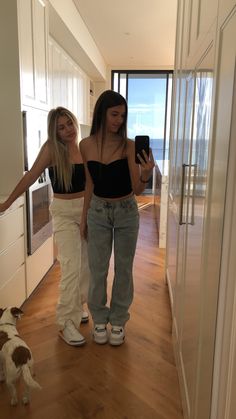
{"type": "Point", "coordinates": [39, 223]}
{"type": "Point", "coordinates": [39, 195]}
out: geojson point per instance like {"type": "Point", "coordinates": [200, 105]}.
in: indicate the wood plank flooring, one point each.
{"type": "Point", "coordinates": [137, 380]}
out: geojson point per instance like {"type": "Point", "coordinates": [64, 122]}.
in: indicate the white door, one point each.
{"type": "Point", "coordinates": [192, 165]}
{"type": "Point", "coordinates": [195, 183]}
{"type": "Point", "coordinates": [223, 225]}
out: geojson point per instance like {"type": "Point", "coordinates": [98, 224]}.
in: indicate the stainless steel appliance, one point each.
{"type": "Point", "coordinates": [38, 197]}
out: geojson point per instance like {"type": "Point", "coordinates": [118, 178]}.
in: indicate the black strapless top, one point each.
{"type": "Point", "coordinates": [77, 180]}
{"type": "Point", "coordinates": [110, 180]}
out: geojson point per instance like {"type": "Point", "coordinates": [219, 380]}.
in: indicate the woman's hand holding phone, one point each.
{"type": "Point", "coordinates": [144, 157]}
{"type": "Point", "coordinates": [141, 145]}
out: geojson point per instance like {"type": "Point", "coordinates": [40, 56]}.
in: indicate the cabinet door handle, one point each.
{"type": "Point", "coordinates": [192, 222]}
{"type": "Point", "coordinates": [181, 222]}
{"type": "Point", "coordinates": [24, 121]}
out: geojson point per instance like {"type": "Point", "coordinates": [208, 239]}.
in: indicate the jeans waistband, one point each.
{"type": "Point", "coordinates": [67, 203]}
{"type": "Point", "coordinates": [113, 204]}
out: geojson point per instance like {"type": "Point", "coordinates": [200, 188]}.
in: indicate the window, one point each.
{"type": "Point", "coordinates": [148, 94]}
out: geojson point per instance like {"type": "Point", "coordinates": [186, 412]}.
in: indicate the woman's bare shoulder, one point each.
{"type": "Point", "coordinates": [47, 149]}
{"type": "Point", "coordinates": [130, 142]}
{"type": "Point", "coordinates": [86, 146]}
{"type": "Point", "coordinates": [86, 140]}
{"type": "Point", "coordinates": [129, 145]}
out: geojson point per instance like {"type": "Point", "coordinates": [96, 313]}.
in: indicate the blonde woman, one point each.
{"type": "Point", "coordinates": [61, 155]}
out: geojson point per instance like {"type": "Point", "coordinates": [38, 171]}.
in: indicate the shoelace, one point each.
{"type": "Point", "coordinates": [116, 331]}
{"type": "Point", "coordinates": [100, 329]}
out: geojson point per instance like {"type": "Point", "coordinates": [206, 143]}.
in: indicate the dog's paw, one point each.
{"type": "Point", "coordinates": [14, 401]}
{"type": "Point", "coordinates": [25, 400]}
{"type": "Point", "coordinates": [2, 375]}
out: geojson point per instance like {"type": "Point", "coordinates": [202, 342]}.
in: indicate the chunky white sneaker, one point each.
{"type": "Point", "coordinates": [85, 317]}
{"type": "Point", "coordinates": [117, 335]}
{"type": "Point", "coordinates": [71, 335]}
{"type": "Point", "coordinates": [100, 334]}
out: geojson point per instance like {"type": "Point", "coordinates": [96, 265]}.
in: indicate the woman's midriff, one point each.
{"type": "Point", "coordinates": [69, 195]}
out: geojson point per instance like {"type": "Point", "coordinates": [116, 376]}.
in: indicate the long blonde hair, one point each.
{"type": "Point", "coordinates": [62, 166]}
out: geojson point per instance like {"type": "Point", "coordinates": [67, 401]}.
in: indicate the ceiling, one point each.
{"type": "Point", "coordinates": [136, 34]}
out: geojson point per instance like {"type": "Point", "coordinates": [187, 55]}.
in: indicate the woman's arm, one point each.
{"type": "Point", "coordinates": [139, 173]}
{"type": "Point", "coordinates": [88, 192]}
{"type": "Point", "coordinates": [42, 161]}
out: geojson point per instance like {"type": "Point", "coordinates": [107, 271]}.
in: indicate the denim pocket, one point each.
{"type": "Point", "coordinates": [129, 206]}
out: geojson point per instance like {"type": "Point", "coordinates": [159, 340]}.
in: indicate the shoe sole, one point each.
{"type": "Point", "coordinates": [100, 341]}
{"type": "Point", "coordinates": [72, 343]}
{"type": "Point", "coordinates": [115, 343]}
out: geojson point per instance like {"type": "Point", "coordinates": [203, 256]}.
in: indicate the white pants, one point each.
{"type": "Point", "coordinates": [72, 255]}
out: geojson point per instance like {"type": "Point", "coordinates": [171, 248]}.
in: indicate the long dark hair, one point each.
{"type": "Point", "coordinates": [108, 99]}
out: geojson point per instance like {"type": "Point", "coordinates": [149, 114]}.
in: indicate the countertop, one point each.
{"type": "Point", "coordinates": [18, 202]}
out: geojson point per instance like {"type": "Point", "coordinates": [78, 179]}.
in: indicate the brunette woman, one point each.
{"type": "Point", "coordinates": [111, 214]}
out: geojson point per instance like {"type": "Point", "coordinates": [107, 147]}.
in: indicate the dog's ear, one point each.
{"type": "Point", "coordinates": [16, 312]}
{"type": "Point", "coordinates": [1, 311]}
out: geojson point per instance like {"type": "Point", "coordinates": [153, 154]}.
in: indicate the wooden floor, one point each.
{"type": "Point", "coordinates": [137, 380]}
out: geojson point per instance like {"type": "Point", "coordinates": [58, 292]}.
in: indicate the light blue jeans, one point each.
{"type": "Point", "coordinates": [111, 226]}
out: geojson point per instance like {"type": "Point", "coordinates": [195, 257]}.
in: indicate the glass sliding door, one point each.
{"type": "Point", "coordinates": [148, 94]}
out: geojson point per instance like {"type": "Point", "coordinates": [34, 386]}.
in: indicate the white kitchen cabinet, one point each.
{"type": "Point", "coordinates": [38, 264]}
{"type": "Point", "coordinates": [69, 85]}
{"type": "Point", "coordinates": [23, 82]}
{"type": "Point", "coordinates": [33, 40]}
{"type": "Point", "coordinates": [92, 100]}
{"type": "Point", "coordinates": [12, 256]}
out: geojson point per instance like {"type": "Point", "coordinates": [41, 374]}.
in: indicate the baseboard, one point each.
{"type": "Point", "coordinates": [170, 292]}
{"type": "Point", "coordinates": [180, 371]}
{"type": "Point", "coordinates": [177, 353]}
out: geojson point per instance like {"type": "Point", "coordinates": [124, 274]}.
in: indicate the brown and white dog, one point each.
{"type": "Point", "coordinates": [15, 356]}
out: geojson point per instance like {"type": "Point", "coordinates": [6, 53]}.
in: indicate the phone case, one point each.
{"type": "Point", "coordinates": [141, 143]}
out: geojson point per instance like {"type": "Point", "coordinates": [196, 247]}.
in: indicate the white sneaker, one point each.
{"type": "Point", "coordinates": [100, 334]}
{"type": "Point", "coordinates": [85, 317]}
{"type": "Point", "coordinates": [117, 335]}
{"type": "Point", "coordinates": [71, 335]}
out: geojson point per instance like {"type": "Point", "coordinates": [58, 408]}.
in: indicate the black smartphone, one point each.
{"type": "Point", "coordinates": [141, 143]}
